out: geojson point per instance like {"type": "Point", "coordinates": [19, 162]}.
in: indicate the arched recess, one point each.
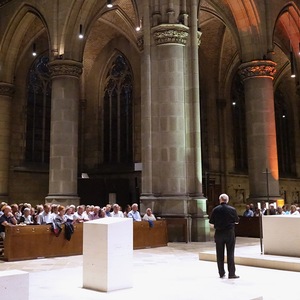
{"type": "Point", "coordinates": [285, 134]}
{"type": "Point", "coordinates": [286, 33]}
{"type": "Point", "coordinates": [94, 79]}
{"type": "Point", "coordinates": [248, 23]}
{"type": "Point", "coordinates": [122, 17]}
{"type": "Point", "coordinates": [117, 113]}
{"type": "Point", "coordinates": [26, 26]}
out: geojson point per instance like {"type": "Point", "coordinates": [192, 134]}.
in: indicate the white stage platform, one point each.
{"type": "Point", "coordinates": [249, 254]}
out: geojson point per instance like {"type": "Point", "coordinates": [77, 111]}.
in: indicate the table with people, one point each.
{"type": "Point", "coordinates": [49, 230]}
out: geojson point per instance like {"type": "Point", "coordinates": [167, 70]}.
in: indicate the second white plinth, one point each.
{"type": "Point", "coordinates": [108, 254]}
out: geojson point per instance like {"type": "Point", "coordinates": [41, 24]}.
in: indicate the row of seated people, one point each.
{"type": "Point", "coordinates": [252, 211]}
{"type": "Point", "coordinates": [54, 214]}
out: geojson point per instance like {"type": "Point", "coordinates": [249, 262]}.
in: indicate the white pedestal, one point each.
{"type": "Point", "coordinates": [108, 254]}
{"type": "Point", "coordinates": [14, 284]}
{"type": "Point", "coordinates": [281, 235]}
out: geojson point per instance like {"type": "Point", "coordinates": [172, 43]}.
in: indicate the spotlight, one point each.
{"type": "Point", "coordinates": [80, 32]}
{"type": "Point", "coordinates": [33, 49]}
{"type": "Point", "coordinates": [293, 75]}
{"type": "Point", "coordinates": [109, 4]}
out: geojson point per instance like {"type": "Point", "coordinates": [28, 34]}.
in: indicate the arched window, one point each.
{"type": "Point", "coordinates": [38, 112]}
{"type": "Point", "coordinates": [285, 137]}
{"type": "Point", "coordinates": [117, 135]}
{"type": "Point", "coordinates": [239, 125]}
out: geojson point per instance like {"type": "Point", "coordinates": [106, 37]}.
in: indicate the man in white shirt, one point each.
{"type": "Point", "coordinates": [45, 217]}
{"type": "Point", "coordinates": [134, 214]}
{"type": "Point", "coordinates": [116, 213]}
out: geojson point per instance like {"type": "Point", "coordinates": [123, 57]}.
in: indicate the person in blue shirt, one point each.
{"type": "Point", "coordinates": [134, 213]}
{"type": "Point", "coordinates": [248, 212]}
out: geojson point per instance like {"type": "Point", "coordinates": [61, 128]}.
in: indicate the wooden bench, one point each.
{"type": "Point", "coordinates": [248, 227]}
{"type": "Point", "coordinates": [145, 236]}
{"type": "Point", "coordinates": [36, 241]}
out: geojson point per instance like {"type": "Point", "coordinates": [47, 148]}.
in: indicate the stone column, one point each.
{"type": "Point", "coordinates": [6, 93]}
{"type": "Point", "coordinates": [64, 132]}
{"type": "Point", "coordinates": [261, 129]}
{"type": "Point", "coordinates": [171, 142]}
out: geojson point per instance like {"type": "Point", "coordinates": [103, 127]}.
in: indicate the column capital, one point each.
{"type": "Point", "coordinates": [170, 34]}
{"type": "Point", "coordinates": [6, 89]}
{"type": "Point", "coordinates": [257, 68]}
{"type": "Point", "coordinates": [64, 68]}
{"type": "Point", "coordinates": [140, 43]}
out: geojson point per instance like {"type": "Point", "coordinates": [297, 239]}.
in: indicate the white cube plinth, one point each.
{"type": "Point", "coordinates": [108, 254]}
{"type": "Point", "coordinates": [14, 284]}
{"type": "Point", "coordinates": [281, 235]}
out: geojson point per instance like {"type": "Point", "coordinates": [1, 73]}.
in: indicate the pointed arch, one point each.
{"type": "Point", "coordinates": [118, 112]}
{"type": "Point", "coordinates": [13, 36]}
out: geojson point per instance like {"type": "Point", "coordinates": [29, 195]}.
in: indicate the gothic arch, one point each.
{"type": "Point", "coordinates": [10, 45]}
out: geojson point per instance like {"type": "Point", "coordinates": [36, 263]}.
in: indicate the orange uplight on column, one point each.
{"type": "Point", "coordinates": [280, 202]}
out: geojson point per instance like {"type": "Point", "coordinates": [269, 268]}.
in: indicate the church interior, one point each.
{"type": "Point", "coordinates": [164, 103]}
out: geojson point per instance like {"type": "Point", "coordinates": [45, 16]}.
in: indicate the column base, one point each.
{"type": "Point", "coordinates": [63, 200]}
{"type": "Point", "coordinates": [192, 209]}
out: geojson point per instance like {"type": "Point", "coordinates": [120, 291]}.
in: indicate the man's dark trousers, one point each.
{"type": "Point", "coordinates": [226, 238]}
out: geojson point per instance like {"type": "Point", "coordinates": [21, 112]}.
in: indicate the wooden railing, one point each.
{"type": "Point", "coordinates": [35, 241]}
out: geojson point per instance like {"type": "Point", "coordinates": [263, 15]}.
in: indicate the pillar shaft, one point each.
{"type": "Point", "coordinates": [261, 129]}
{"type": "Point", "coordinates": [6, 93]}
{"type": "Point", "coordinates": [64, 132]}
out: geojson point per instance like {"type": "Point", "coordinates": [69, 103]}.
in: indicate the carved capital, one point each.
{"type": "Point", "coordinates": [6, 89]}
{"type": "Point", "coordinates": [170, 34]}
{"type": "Point", "coordinates": [257, 68]}
{"type": "Point", "coordinates": [140, 43]}
{"type": "Point", "coordinates": [65, 68]}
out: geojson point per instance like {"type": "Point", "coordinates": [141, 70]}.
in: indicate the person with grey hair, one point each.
{"type": "Point", "coordinates": [134, 213]}
{"type": "Point", "coordinates": [224, 217]}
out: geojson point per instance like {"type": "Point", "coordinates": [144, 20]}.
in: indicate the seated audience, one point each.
{"type": "Point", "coordinates": [2, 205]}
{"type": "Point", "coordinates": [127, 210]}
{"type": "Point", "coordinates": [16, 212]}
{"type": "Point", "coordinates": [117, 213]}
{"type": "Point", "coordinates": [294, 210]}
{"type": "Point", "coordinates": [59, 219]}
{"type": "Point", "coordinates": [95, 214]}
{"type": "Point", "coordinates": [248, 212]}
{"type": "Point", "coordinates": [134, 213]}
{"type": "Point", "coordinates": [7, 219]}
{"type": "Point", "coordinates": [108, 210]}
{"type": "Point", "coordinates": [149, 216]}
{"type": "Point", "coordinates": [69, 214]}
{"type": "Point", "coordinates": [45, 217]}
{"type": "Point", "coordinates": [279, 211]}
{"type": "Point", "coordinates": [26, 218]}
{"type": "Point", "coordinates": [79, 215]}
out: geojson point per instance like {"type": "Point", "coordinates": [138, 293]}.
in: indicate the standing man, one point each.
{"type": "Point", "coordinates": [224, 218]}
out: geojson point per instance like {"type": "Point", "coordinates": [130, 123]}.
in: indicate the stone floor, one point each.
{"type": "Point", "coordinates": [174, 272]}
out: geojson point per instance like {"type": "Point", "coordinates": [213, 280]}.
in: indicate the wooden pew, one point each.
{"type": "Point", "coordinates": [145, 236]}
{"type": "Point", "coordinates": [36, 241]}
{"type": "Point", "coordinates": [248, 227]}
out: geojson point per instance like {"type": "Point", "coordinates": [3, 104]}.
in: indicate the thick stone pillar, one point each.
{"type": "Point", "coordinates": [171, 142]}
{"type": "Point", "coordinates": [64, 132]}
{"type": "Point", "coordinates": [6, 93]}
{"type": "Point", "coordinates": [261, 129]}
